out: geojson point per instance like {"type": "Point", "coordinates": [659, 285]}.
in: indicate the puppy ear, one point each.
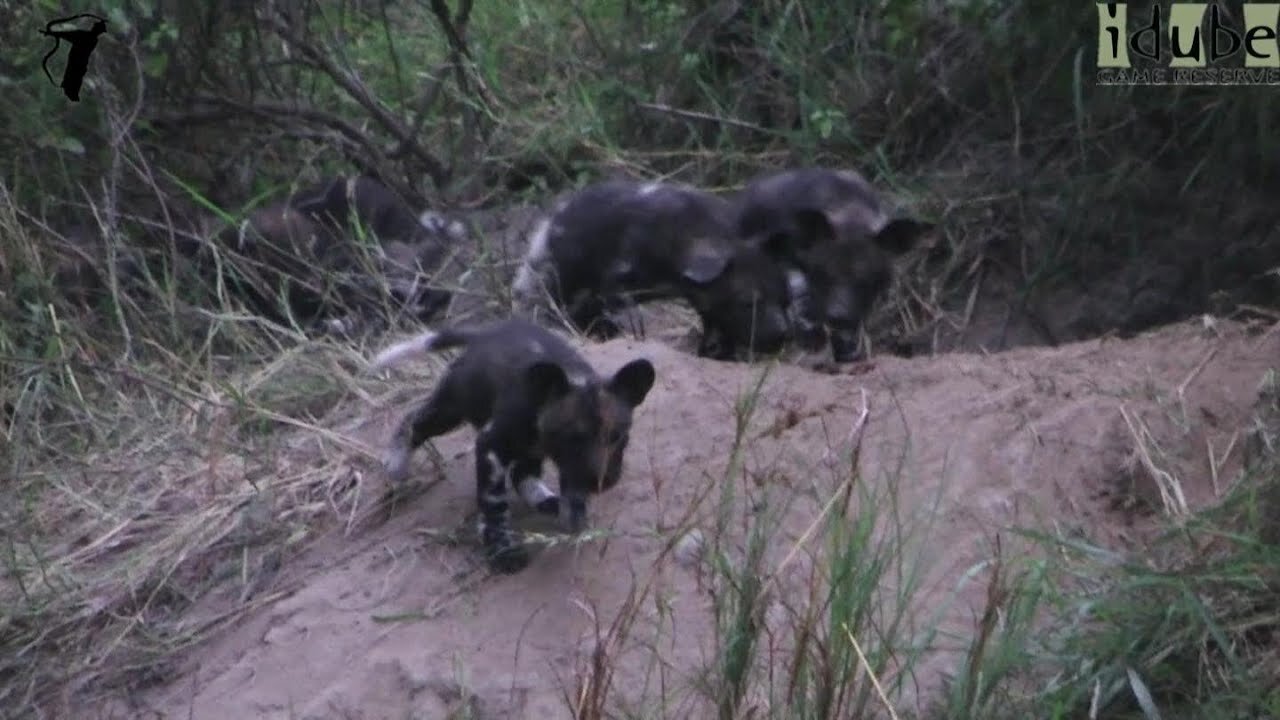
{"type": "Point", "coordinates": [633, 381]}
{"type": "Point", "coordinates": [813, 227]}
{"type": "Point", "coordinates": [901, 234]}
{"type": "Point", "coordinates": [807, 228]}
{"type": "Point", "coordinates": [547, 381]}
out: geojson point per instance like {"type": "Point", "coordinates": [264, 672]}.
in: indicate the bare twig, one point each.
{"type": "Point", "coordinates": [454, 27]}
{"type": "Point", "coordinates": [1171, 495]}
{"type": "Point", "coordinates": [428, 101]}
{"type": "Point", "coordinates": [363, 95]}
{"type": "Point", "coordinates": [707, 117]}
{"type": "Point", "coordinates": [875, 682]}
{"type": "Point", "coordinates": [274, 110]}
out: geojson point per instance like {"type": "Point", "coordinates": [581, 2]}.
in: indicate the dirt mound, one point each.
{"type": "Point", "coordinates": [399, 618]}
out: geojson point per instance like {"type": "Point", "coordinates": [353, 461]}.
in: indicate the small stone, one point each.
{"type": "Point", "coordinates": [688, 549]}
{"type": "Point", "coordinates": [278, 633]}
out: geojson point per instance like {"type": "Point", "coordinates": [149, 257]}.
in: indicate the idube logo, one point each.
{"type": "Point", "coordinates": [1189, 50]}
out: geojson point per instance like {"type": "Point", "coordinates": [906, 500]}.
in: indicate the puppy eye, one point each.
{"type": "Point", "coordinates": [614, 437]}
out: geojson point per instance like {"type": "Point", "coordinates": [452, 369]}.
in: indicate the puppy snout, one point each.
{"type": "Point", "coordinates": [844, 346]}
{"type": "Point", "coordinates": [771, 330]}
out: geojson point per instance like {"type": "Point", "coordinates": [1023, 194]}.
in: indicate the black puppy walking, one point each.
{"type": "Point", "coordinates": [531, 397]}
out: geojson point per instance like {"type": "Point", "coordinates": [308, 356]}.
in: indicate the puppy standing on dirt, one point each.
{"type": "Point", "coordinates": [619, 242]}
{"type": "Point", "coordinates": [532, 397]}
{"type": "Point", "coordinates": [832, 230]}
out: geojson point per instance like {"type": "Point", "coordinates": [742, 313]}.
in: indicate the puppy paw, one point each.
{"type": "Point", "coordinates": [505, 555]}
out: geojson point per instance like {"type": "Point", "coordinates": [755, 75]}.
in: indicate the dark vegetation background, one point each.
{"type": "Point", "coordinates": [1069, 210]}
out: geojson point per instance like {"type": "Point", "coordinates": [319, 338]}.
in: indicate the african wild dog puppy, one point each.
{"type": "Point", "coordinates": [279, 254]}
{"type": "Point", "coordinates": [531, 396]}
{"type": "Point", "coordinates": [620, 242]}
{"type": "Point", "coordinates": [837, 238]}
{"type": "Point", "coordinates": [344, 202]}
{"type": "Point", "coordinates": [380, 210]}
{"type": "Point", "coordinates": [406, 268]}
{"type": "Point", "coordinates": [401, 274]}
{"type": "Point", "coordinates": [303, 251]}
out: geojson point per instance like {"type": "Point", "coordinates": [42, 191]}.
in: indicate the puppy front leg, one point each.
{"type": "Point", "coordinates": [526, 475]}
{"type": "Point", "coordinates": [714, 343]}
{"type": "Point", "coordinates": [493, 470]}
{"type": "Point", "coordinates": [845, 345]}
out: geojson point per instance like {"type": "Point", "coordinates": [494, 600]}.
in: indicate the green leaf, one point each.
{"type": "Point", "coordinates": [119, 21]}
{"type": "Point", "coordinates": [65, 143]}
{"type": "Point", "coordinates": [156, 64]}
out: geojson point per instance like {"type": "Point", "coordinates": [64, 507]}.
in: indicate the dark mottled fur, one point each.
{"type": "Point", "coordinates": [832, 227]}
{"type": "Point", "coordinates": [278, 251]}
{"type": "Point", "coordinates": [531, 397]}
{"type": "Point", "coordinates": [342, 202]}
{"type": "Point", "coordinates": [620, 242]}
{"type": "Point", "coordinates": [304, 248]}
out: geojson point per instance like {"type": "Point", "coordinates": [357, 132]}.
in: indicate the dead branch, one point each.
{"type": "Point", "coordinates": [374, 159]}
{"type": "Point", "coordinates": [705, 117]}
{"type": "Point", "coordinates": [439, 173]}
{"type": "Point", "coordinates": [454, 27]}
{"type": "Point", "coordinates": [422, 112]}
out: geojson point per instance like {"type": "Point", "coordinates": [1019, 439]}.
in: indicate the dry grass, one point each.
{"type": "Point", "coordinates": [147, 487]}
{"type": "Point", "coordinates": [109, 551]}
{"type": "Point", "coordinates": [149, 475]}
{"type": "Point", "coordinates": [807, 626]}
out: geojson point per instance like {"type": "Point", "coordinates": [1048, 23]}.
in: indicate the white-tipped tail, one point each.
{"type": "Point", "coordinates": [650, 188]}
{"type": "Point", "coordinates": [439, 224]}
{"type": "Point", "coordinates": [405, 349]}
{"type": "Point", "coordinates": [526, 283]}
{"type": "Point", "coordinates": [431, 220]}
{"type": "Point", "coordinates": [797, 283]}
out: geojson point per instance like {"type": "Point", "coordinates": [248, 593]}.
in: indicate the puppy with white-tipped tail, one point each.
{"type": "Point", "coordinates": [615, 244]}
{"type": "Point", "coordinates": [531, 397]}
